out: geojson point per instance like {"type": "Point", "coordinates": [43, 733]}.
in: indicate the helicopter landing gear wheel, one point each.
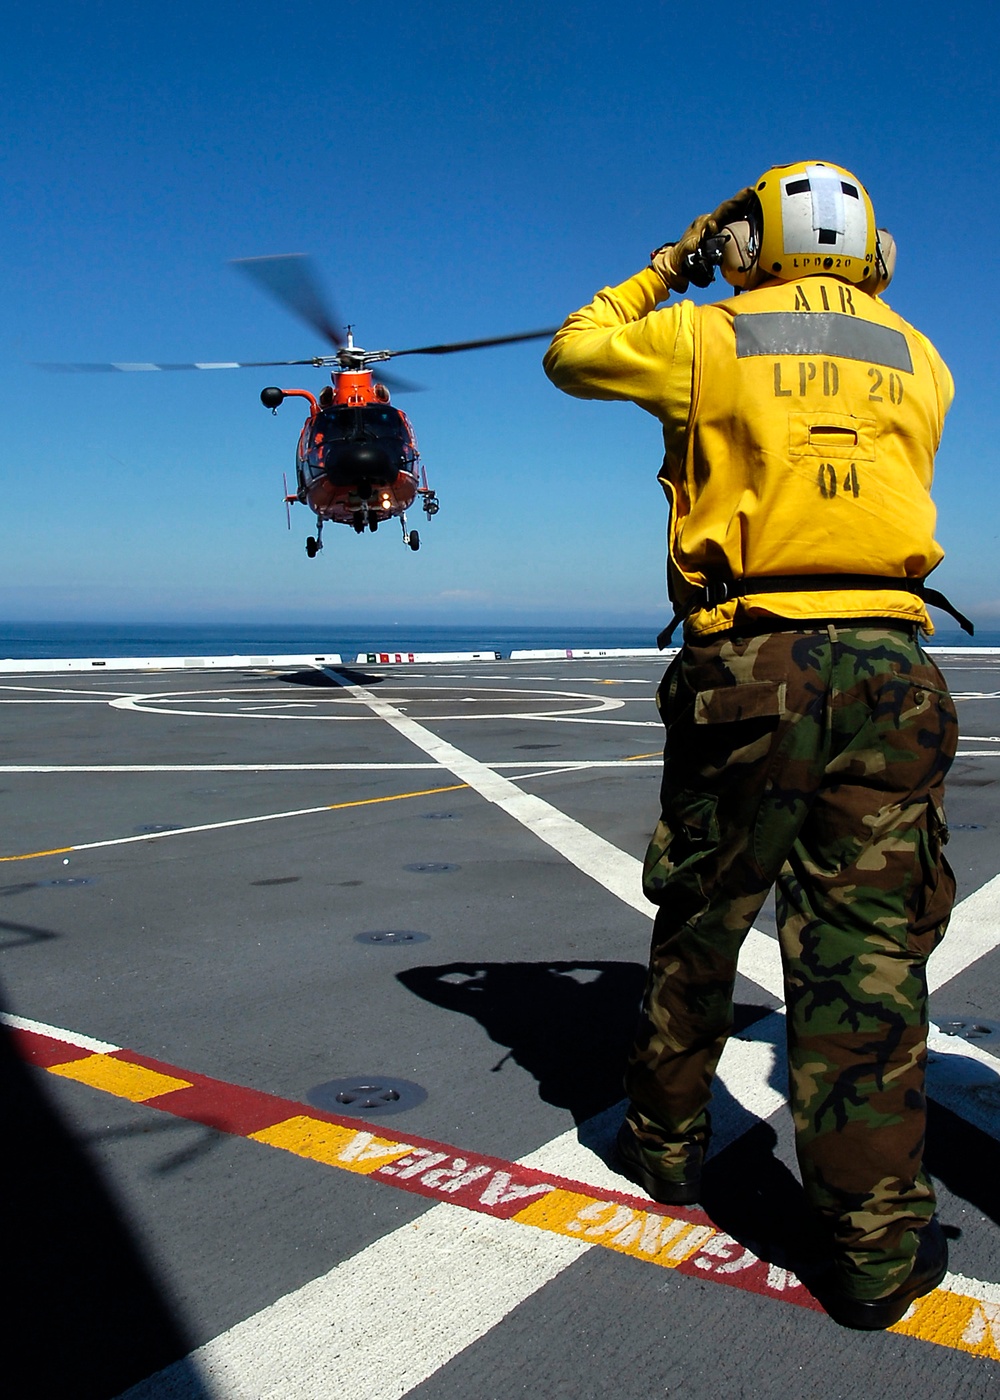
{"type": "Point", "coordinates": [314, 545]}
{"type": "Point", "coordinates": [358, 521]}
{"type": "Point", "coordinates": [373, 523]}
{"type": "Point", "coordinates": [414, 540]}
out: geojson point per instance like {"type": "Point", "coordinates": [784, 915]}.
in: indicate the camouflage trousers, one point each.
{"type": "Point", "coordinates": [813, 761]}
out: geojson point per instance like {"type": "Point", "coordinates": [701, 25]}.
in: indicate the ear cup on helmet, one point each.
{"type": "Point", "coordinates": [739, 253]}
{"type": "Point", "coordinates": [885, 260]}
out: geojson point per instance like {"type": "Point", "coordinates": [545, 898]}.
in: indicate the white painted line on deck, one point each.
{"type": "Point", "coordinates": [66, 690]}
{"type": "Point", "coordinates": [966, 1079]}
{"type": "Point", "coordinates": [597, 858]}
{"type": "Point", "coordinates": [219, 826]}
{"type": "Point", "coordinates": [171, 702]}
{"type": "Point", "coordinates": [438, 1284]}
{"type": "Point", "coordinates": [572, 719]}
{"type": "Point", "coordinates": [303, 1347]}
{"type": "Point", "coordinates": [543, 764]}
{"type": "Point", "coordinates": [446, 1281]}
{"type": "Point", "coordinates": [614, 869]}
{"type": "Point", "coordinates": [982, 1289]}
{"type": "Point", "coordinates": [753, 1073]}
{"type": "Point", "coordinates": [973, 932]}
{"type": "Point", "coordinates": [83, 1042]}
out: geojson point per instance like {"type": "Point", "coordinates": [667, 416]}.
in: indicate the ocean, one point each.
{"type": "Point", "coordinates": [47, 640]}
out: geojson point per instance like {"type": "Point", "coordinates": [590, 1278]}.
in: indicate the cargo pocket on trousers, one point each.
{"type": "Point", "coordinates": [734, 732]}
{"type": "Point", "coordinates": [726, 733]}
{"type": "Point", "coordinates": [934, 904]}
{"type": "Point", "coordinates": [729, 704]}
{"type": "Point", "coordinates": [685, 835]}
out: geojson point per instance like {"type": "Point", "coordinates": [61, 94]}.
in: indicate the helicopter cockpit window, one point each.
{"type": "Point", "coordinates": [383, 422]}
{"type": "Point", "coordinates": [339, 424]}
{"type": "Point", "coordinates": [364, 423]}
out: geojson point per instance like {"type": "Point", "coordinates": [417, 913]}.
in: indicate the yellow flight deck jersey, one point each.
{"type": "Point", "coordinates": [800, 423]}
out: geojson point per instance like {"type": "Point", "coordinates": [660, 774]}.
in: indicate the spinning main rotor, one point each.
{"type": "Point", "coordinates": [291, 280]}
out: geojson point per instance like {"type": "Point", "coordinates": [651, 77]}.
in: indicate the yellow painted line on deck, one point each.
{"type": "Point", "coordinates": [953, 1316]}
{"type": "Point", "coordinates": [659, 1239]}
{"type": "Point", "coordinates": [332, 1145]}
{"type": "Point", "coordinates": [239, 821]}
{"type": "Point", "coordinates": [33, 855]}
{"type": "Point", "coordinates": [118, 1077]}
{"type": "Point", "coordinates": [956, 1321]}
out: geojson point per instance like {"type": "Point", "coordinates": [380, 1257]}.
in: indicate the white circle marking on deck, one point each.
{"type": "Point", "coordinates": [164, 703]}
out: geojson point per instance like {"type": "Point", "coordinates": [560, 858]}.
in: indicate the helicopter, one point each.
{"type": "Point", "coordinates": [357, 462]}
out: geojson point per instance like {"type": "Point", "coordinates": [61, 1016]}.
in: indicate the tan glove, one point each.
{"type": "Point", "coordinates": [668, 261]}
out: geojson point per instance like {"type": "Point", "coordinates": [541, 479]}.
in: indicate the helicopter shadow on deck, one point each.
{"type": "Point", "coordinates": [20, 935]}
{"type": "Point", "coordinates": [317, 678]}
{"type": "Point", "coordinates": [570, 1025]}
{"type": "Point", "coordinates": [15, 935]}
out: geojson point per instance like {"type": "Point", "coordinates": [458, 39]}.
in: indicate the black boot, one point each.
{"type": "Point", "coordinates": [930, 1265]}
{"type": "Point", "coordinates": [668, 1193]}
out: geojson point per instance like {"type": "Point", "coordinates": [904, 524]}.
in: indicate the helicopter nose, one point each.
{"type": "Point", "coordinates": [352, 462]}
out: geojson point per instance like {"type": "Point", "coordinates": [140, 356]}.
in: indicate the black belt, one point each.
{"type": "Point", "coordinates": [710, 595]}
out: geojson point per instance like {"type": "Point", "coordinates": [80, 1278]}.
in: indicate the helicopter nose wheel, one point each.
{"type": "Point", "coordinates": [373, 523]}
{"type": "Point", "coordinates": [410, 537]}
{"type": "Point", "coordinates": [358, 521]}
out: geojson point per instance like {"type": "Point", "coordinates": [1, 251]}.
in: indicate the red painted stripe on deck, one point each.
{"type": "Point", "coordinates": [673, 1237]}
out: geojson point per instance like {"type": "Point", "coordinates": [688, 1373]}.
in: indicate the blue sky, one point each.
{"type": "Point", "coordinates": [457, 172]}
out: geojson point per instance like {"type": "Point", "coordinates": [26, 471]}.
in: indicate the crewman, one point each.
{"type": "Point", "coordinates": [807, 733]}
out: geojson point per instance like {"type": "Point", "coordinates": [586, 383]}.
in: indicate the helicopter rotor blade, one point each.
{"type": "Point", "coordinates": [393, 382]}
{"type": "Point", "coordinates": [317, 362]}
{"type": "Point", "coordinates": [290, 278]}
{"type": "Point", "coordinates": [396, 385]}
{"type": "Point", "coordinates": [475, 344]}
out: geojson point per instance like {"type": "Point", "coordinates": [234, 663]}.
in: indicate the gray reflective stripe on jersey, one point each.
{"type": "Point", "coordinates": [821, 333]}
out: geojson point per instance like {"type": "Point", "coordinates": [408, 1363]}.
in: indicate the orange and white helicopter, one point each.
{"type": "Point", "coordinates": [357, 462]}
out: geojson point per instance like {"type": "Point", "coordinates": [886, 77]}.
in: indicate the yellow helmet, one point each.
{"type": "Point", "coordinates": [816, 218]}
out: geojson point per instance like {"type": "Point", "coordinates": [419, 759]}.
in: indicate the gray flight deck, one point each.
{"type": "Point", "coordinates": [297, 877]}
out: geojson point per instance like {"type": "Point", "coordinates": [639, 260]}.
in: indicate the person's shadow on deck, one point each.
{"type": "Point", "coordinates": [570, 1025]}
